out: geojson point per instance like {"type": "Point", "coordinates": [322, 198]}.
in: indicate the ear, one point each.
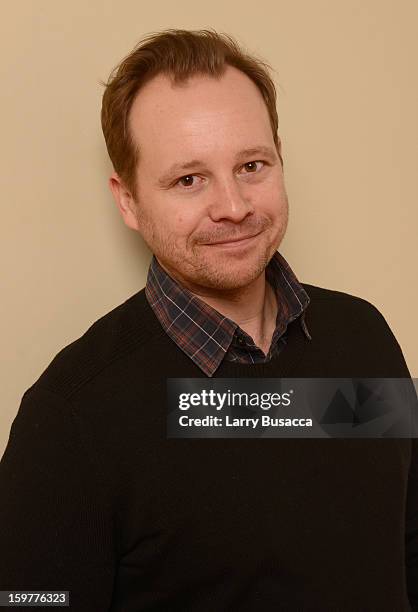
{"type": "Point", "coordinates": [124, 200]}
{"type": "Point", "coordinates": [279, 151]}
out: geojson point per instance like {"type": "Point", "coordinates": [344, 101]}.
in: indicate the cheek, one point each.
{"type": "Point", "coordinates": [278, 198]}
{"type": "Point", "coordinates": [272, 202]}
{"type": "Point", "coordinates": [270, 192]}
{"type": "Point", "coordinates": [184, 223]}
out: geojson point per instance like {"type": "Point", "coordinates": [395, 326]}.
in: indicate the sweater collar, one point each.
{"type": "Point", "coordinates": [203, 333]}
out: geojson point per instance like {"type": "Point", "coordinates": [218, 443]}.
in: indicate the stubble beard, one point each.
{"type": "Point", "coordinates": [211, 270]}
{"type": "Point", "coordinates": [222, 271]}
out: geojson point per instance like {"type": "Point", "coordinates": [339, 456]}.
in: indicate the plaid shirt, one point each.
{"type": "Point", "coordinates": [207, 336]}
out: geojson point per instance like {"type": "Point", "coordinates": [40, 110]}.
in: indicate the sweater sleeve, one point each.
{"type": "Point", "coordinates": [412, 529]}
{"type": "Point", "coordinates": [55, 523]}
{"type": "Point", "coordinates": [392, 364]}
{"type": "Point", "coordinates": [396, 367]}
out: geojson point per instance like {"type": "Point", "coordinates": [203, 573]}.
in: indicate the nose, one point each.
{"type": "Point", "coordinates": [228, 201]}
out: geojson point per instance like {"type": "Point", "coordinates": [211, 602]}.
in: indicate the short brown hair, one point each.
{"type": "Point", "coordinates": [179, 54]}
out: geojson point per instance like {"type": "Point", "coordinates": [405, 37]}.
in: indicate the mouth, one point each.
{"type": "Point", "coordinates": [242, 241]}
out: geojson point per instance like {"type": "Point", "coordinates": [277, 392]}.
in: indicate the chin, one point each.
{"type": "Point", "coordinates": [232, 277]}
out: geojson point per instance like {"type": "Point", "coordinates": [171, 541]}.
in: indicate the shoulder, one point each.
{"type": "Point", "coordinates": [355, 329]}
{"type": "Point", "coordinates": [337, 303]}
{"type": "Point", "coordinates": [127, 328]}
{"type": "Point", "coordinates": [321, 293]}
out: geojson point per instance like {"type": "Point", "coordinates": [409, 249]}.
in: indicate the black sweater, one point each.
{"type": "Point", "coordinates": [96, 500]}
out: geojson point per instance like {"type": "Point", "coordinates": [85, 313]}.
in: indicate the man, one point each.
{"type": "Point", "coordinates": [95, 499]}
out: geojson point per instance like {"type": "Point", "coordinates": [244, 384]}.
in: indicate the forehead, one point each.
{"type": "Point", "coordinates": [199, 115]}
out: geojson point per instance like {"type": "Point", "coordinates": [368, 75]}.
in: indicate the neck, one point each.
{"type": "Point", "coordinates": [253, 308]}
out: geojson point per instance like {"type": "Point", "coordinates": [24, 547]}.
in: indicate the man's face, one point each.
{"type": "Point", "coordinates": [208, 175]}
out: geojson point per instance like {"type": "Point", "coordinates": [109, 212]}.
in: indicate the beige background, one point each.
{"type": "Point", "coordinates": [346, 78]}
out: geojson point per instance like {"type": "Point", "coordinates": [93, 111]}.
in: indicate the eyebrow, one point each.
{"type": "Point", "coordinates": [176, 169]}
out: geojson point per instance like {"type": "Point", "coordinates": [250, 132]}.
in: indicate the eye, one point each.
{"type": "Point", "coordinates": [252, 167]}
{"type": "Point", "coordinates": [189, 180]}
{"type": "Point", "coordinates": [186, 181]}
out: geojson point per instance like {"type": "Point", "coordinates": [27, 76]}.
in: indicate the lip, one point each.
{"type": "Point", "coordinates": [238, 242]}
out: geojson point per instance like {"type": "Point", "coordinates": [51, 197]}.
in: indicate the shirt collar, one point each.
{"type": "Point", "coordinates": [203, 333]}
